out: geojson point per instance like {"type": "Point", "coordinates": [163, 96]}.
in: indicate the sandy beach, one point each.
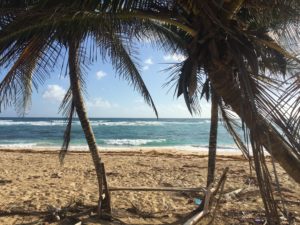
{"type": "Point", "coordinates": [32, 182]}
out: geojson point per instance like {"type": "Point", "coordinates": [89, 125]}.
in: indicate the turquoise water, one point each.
{"type": "Point", "coordinates": [112, 132]}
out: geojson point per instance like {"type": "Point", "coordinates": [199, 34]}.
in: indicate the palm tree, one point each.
{"type": "Point", "coordinates": [32, 42]}
{"type": "Point", "coordinates": [230, 43]}
{"type": "Point", "coordinates": [212, 139]}
{"type": "Point", "coordinates": [234, 56]}
{"type": "Point", "coordinates": [78, 104]}
{"type": "Point", "coordinates": [234, 44]}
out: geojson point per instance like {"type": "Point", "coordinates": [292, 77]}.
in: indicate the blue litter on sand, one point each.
{"type": "Point", "coordinates": [197, 201]}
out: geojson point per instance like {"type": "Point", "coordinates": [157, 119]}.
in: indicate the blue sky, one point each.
{"type": "Point", "coordinates": [110, 96]}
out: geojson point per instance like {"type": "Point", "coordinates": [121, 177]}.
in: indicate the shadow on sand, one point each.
{"type": "Point", "coordinates": [81, 215]}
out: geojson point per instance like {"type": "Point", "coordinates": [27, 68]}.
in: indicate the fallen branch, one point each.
{"type": "Point", "coordinates": [233, 194]}
{"type": "Point", "coordinates": [171, 189]}
{"type": "Point", "coordinates": [196, 218]}
{"type": "Point", "coordinates": [22, 213]}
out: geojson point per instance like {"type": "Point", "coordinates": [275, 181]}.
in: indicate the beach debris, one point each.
{"type": "Point", "coordinates": [259, 221]}
{"type": "Point", "coordinates": [197, 201]}
{"type": "Point", "coordinates": [233, 194]}
{"type": "Point", "coordinates": [241, 193]}
{"type": "Point", "coordinates": [54, 213]}
{"type": "Point", "coordinates": [70, 221]}
{"type": "Point", "coordinates": [56, 175]}
{"type": "Point", "coordinates": [68, 214]}
{"type": "Point", "coordinates": [33, 177]}
{"type": "Point", "coordinates": [4, 182]}
{"type": "Point", "coordinates": [112, 174]}
{"type": "Point", "coordinates": [250, 180]}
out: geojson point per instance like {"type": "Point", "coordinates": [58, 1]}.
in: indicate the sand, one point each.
{"type": "Point", "coordinates": [32, 183]}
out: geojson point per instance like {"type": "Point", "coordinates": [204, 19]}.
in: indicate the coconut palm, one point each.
{"type": "Point", "coordinates": [233, 34]}
{"type": "Point", "coordinates": [34, 39]}
{"type": "Point", "coordinates": [233, 48]}
{"type": "Point", "coordinates": [234, 44]}
{"type": "Point", "coordinates": [213, 134]}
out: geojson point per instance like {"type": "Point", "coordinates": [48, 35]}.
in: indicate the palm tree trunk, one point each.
{"type": "Point", "coordinates": [82, 115]}
{"type": "Point", "coordinates": [212, 138]}
{"type": "Point", "coordinates": [269, 137]}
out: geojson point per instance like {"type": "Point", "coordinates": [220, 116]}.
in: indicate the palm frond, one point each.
{"type": "Point", "coordinates": [67, 108]}
{"type": "Point", "coordinates": [233, 127]}
{"type": "Point", "coordinates": [120, 52]}
{"type": "Point", "coordinates": [16, 87]}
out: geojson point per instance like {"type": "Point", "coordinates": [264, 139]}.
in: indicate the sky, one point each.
{"type": "Point", "coordinates": [108, 95]}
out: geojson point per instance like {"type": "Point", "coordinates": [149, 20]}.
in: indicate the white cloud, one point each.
{"type": "Point", "coordinates": [54, 93]}
{"type": "Point", "coordinates": [148, 61]}
{"type": "Point", "coordinates": [100, 74]}
{"type": "Point", "coordinates": [145, 68]}
{"type": "Point", "coordinates": [147, 64]}
{"type": "Point", "coordinates": [100, 103]}
{"type": "Point", "coordinates": [139, 101]}
{"type": "Point", "coordinates": [174, 57]}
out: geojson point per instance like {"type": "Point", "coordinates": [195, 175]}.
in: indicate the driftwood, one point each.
{"type": "Point", "coordinates": [209, 194]}
{"type": "Point", "coordinates": [170, 189]}
{"type": "Point", "coordinates": [234, 194]}
{"type": "Point", "coordinates": [239, 193]}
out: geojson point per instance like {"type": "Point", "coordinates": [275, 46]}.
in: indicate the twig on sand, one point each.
{"type": "Point", "coordinates": [22, 213]}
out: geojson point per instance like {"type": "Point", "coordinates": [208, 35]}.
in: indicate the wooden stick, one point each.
{"type": "Point", "coordinates": [222, 179]}
{"type": "Point", "coordinates": [195, 218]}
{"type": "Point", "coordinates": [174, 189]}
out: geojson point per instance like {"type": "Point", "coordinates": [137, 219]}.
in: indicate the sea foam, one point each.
{"type": "Point", "coordinates": [98, 123]}
{"type": "Point", "coordinates": [31, 123]}
{"type": "Point", "coordinates": [127, 123]}
{"type": "Point", "coordinates": [18, 146]}
{"type": "Point", "coordinates": [132, 142]}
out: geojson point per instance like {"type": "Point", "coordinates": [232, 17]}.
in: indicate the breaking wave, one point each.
{"type": "Point", "coordinates": [98, 123]}
{"type": "Point", "coordinates": [132, 142]}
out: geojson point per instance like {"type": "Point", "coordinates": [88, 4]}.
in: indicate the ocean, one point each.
{"type": "Point", "coordinates": [112, 132]}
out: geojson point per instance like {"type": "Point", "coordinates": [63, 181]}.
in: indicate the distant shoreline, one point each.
{"type": "Point", "coordinates": [124, 147]}
{"type": "Point", "coordinates": [159, 150]}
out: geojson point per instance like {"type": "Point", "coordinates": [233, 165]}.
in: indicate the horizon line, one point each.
{"type": "Point", "coordinates": [107, 117]}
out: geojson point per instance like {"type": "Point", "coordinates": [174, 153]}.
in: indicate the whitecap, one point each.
{"type": "Point", "coordinates": [33, 123]}
{"type": "Point", "coordinates": [18, 146]}
{"type": "Point", "coordinates": [127, 123]}
{"type": "Point", "coordinates": [132, 142]}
